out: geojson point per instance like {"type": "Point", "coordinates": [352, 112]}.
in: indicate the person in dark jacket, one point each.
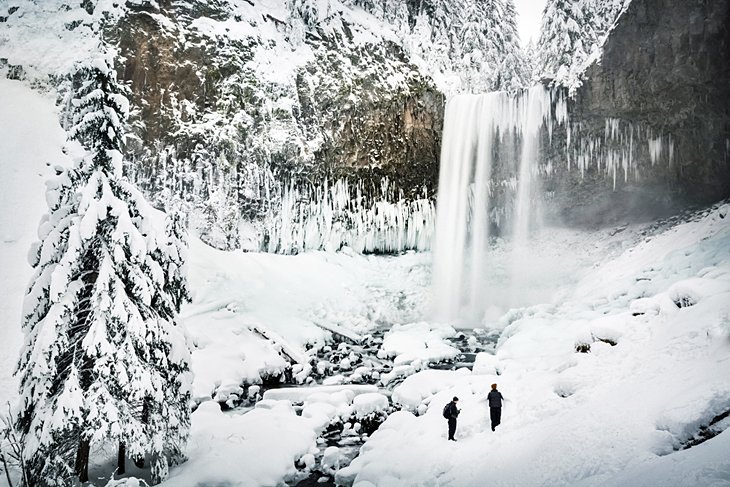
{"type": "Point", "coordinates": [495, 406]}
{"type": "Point", "coordinates": [453, 413]}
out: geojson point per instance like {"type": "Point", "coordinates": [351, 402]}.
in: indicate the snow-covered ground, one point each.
{"type": "Point", "coordinates": [655, 373]}
{"type": "Point", "coordinates": [657, 320]}
{"type": "Point", "coordinates": [294, 301]}
{"type": "Point", "coordinates": [611, 416]}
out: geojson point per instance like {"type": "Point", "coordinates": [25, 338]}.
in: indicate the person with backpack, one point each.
{"type": "Point", "coordinates": [451, 412]}
{"type": "Point", "coordinates": [495, 400]}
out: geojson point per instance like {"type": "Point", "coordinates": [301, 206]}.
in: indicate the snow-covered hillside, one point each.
{"type": "Point", "coordinates": [602, 387]}
{"type": "Point", "coordinates": [621, 368]}
{"type": "Point", "coordinates": [31, 143]}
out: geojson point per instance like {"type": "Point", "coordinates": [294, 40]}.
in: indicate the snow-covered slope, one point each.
{"type": "Point", "coordinates": [655, 373]}
{"type": "Point", "coordinates": [242, 299]}
{"type": "Point", "coordinates": [30, 140]}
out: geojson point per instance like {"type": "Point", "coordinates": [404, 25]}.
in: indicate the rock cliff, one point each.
{"type": "Point", "coordinates": [287, 125]}
{"type": "Point", "coordinates": [227, 126]}
{"type": "Point", "coordinates": [650, 125]}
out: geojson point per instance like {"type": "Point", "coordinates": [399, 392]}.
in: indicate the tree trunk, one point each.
{"type": "Point", "coordinates": [121, 456]}
{"type": "Point", "coordinates": [139, 461]}
{"type": "Point", "coordinates": [82, 460]}
{"type": "Point", "coordinates": [7, 470]}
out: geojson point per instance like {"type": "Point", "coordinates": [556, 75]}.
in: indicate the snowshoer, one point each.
{"type": "Point", "coordinates": [495, 406]}
{"type": "Point", "coordinates": [451, 412]}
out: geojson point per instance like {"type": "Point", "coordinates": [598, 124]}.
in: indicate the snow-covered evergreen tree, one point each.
{"type": "Point", "coordinates": [176, 235]}
{"type": "Point", "coordinates": [490, 47]}
{"type": "Point", "coordinates": [531, 64]}
{"type": "Point", "coordinates": [567, 38]}
{"type": "Point", "coordinates": [394, 12]}
{"type": "Point", "coordinates": [606, 13]}
{"type": "Point", "coordinates": [513, 72]}
{"type": "Point", "coordinates": [572, 34]}
{"type": "Point", "coordinates": [308, 11]}
{"type": "Point", "coordinates": [104, 359]}
{"type": "Point", "coordinates": [50, 413]}
{"type": "Point", "coordinates": [473, 41]}
{"type": "Point", "coordinates": [446, 20]}
{"type": "Point", "coordinates": [475, 48]}
{"type": "Point", "coordinates": [431, 40]}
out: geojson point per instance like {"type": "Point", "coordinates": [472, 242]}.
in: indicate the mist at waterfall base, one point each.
{"type": "Point", "coordinates": [492, 250]}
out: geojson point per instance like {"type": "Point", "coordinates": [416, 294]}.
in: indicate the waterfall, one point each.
{"type": "Point", "coordinates": [489, 178]}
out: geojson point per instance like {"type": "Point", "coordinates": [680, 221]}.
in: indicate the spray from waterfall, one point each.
{"type": "Point", "coordinates": [489, 178]}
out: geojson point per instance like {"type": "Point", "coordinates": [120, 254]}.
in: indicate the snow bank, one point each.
{"type": "Point", "coordinates": [368, 404]}
{"type": "Point", "coordinates": [256, 448]}
{"type": "Point", "coordinates": [330, 404]}
{"type": "Point", "coordinates": [254, 314]}
{"type": "Point", "coordinates": [338, 394]}
{"type": "Point", "coordinates": [419, 389]}
{"type": "Point", "coordinates": [705, 465]}
{"type": "Point", "coordinates": [485, 364]}
{"type": "Point", "coordinates": [27, 118]}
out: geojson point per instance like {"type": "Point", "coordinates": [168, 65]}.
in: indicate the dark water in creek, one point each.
{"type": "Point", "coordinates": [364, 366]}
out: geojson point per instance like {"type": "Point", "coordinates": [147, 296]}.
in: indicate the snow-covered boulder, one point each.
{"type": "Point", "coordinates": [419, 342]}
{"type": "Point", "coordinates": [485, 364]}
{"type": "Point", "coordinates": [331, 459]}
{"type": "Point", "coordinates": [365, 405]}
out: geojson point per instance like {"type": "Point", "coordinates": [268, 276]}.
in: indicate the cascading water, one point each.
{"type": "Point", "coordinates": [490, 147]}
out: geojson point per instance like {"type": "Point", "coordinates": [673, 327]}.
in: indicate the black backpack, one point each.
{"type": "Point", "coordinates": [447, 411]}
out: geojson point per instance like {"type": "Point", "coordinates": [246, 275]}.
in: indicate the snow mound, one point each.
{"type": "Point", "coordinates": [419, 343]}
{"type": "Point", "coordinates": [365, 405]}
{"type": "Point", "coordinates": [261, 447]}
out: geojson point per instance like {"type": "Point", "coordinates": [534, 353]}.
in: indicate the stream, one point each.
{"type": "Point", "coordinates": [360, 364]}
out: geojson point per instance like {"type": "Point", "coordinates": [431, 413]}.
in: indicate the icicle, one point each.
{"type": "Point", "coordinates": [330, 216]}
{"type": "Point", "coordinates": [655, 149]}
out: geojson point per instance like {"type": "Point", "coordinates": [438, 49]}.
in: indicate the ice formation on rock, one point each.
{"type": "Point", "coordinates": [338, 215]}
{"type": "Point", "coordinates": [618, 153]}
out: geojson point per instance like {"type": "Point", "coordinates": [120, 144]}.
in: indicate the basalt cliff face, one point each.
{"type": "Point", "coordinates": [650, 125]}
{"type": "Point", "coordinates": [246, 113]}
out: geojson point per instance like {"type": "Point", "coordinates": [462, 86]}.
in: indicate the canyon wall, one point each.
{"type": "Point", "coordinates": [650, 125]}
